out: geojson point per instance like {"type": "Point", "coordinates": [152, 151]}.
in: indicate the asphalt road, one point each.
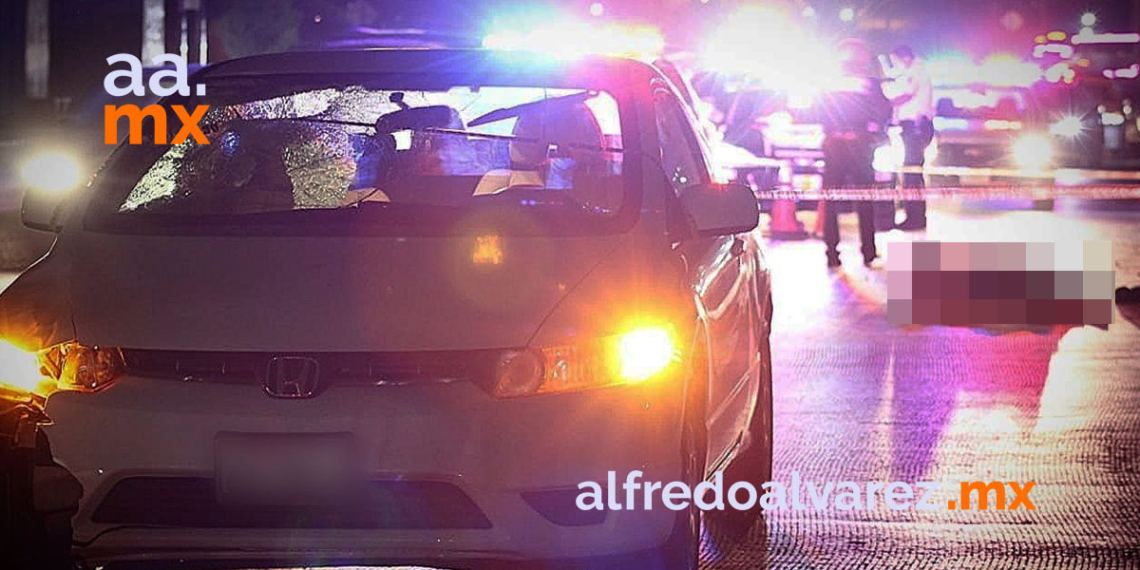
{"type": "Point", "coordinates": [860, 400]}
{"type": "Point", "coordinates": [857, 399]}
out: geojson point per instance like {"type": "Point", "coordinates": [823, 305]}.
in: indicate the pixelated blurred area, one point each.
{"type": "Point", "coordinates": [1000, 283]}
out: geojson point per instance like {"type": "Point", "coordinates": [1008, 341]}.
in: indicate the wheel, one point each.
{"type": "Point", "coordinates": [682, 549]}
{"type": "Point", "coordinates": [754, 464]}
{"type": "Point", "coordinates": [722, 529]}
{"type": "Point", "coordinates": [36, 540]}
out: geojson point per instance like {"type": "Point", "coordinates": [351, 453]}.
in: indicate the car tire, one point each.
{"type": "Point", "coordinates": [681, 550]}
{"type": "Point", "coordinates": [725, 529]}
{"type": "Point", "coordinates": [34, 540]}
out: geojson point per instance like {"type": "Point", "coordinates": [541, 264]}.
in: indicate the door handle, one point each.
{"type": "Point", "coordinates": [737, 248]}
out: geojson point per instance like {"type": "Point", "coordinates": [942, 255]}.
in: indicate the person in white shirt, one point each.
{"type": "Point", "coordinates": [913, 97]}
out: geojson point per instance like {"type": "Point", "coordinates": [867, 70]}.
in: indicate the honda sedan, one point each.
{"type": "Point", "coordinates": [394, 312]}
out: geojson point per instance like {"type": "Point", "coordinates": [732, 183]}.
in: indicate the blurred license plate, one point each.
{"type": "Point", "coordinates": [807, 182]}
{"type": "Point", "coordinates": [284, 469]}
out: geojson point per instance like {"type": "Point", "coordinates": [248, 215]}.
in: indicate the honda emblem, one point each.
{"type": "Point", "coordinates": [292, 377]}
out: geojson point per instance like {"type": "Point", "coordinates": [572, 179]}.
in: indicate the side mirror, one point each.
{"type": "Point", "coordinates": [41, 209]}
{"type": "Point", "coordinates": [721, 209]}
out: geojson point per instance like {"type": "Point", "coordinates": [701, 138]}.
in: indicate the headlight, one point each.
{"type": "Point", "coordinates": [67, 366]}
{"type": "Point", "coordinates": [1068, 127]}
{"type": "Point", "coordinates": [1033, 152]}
{"type": "Point", "coordinates": [20, 370]}
{"type": "Point", "coordinates": [635, 356]}
{"type": "Point", "coordinates": [52, 171]}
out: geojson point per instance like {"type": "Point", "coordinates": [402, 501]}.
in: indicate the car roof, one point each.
{"type": "Point", "coordinates": [604, 69]}
{"type": "Point", "coordinates": [368, 37]}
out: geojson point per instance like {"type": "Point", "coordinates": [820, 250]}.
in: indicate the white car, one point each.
{"type": "Point", "coordinates": [401, 305]}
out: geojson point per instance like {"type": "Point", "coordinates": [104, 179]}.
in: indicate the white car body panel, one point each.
{"type": "Point", "coordinates": [289, 294]}
{"type": "Point", "coordinates": [317, 294]}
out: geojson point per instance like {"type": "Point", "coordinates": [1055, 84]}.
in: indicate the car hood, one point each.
{"type": "Point", "coordinates": [317, 294]}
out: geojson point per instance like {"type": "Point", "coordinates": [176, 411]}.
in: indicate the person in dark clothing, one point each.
{"type": "Point", "coordinates": [912, 95]}
{"type": "Point", "coordinates": [854, 117]}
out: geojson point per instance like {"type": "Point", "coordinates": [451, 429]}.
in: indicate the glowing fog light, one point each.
{"type": "Point", "coordinates": [1068, 127]}
{"type": "Point", "coordinates": [52, 171]}
{"type": "Point", "coordinates": [20, 369]}
{"type": "Point", "coordinates": [643, 353]}
{"type": "Point", "coordinates": [1032, 152]}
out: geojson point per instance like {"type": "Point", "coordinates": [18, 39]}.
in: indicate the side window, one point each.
{"type": "Point", "coordinates": [680, 155]}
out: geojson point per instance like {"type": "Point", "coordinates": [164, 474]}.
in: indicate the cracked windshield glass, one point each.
{"type": "Point", "coordinates": [358, 146]}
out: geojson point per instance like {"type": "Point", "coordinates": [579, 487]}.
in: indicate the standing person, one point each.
{"type": "Point", "coordinates": [854, 117]}
{"type": "Point", "coordinates": [913, 97]}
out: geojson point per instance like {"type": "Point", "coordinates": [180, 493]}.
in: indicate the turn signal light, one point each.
{"type": "Point", "coordinates": [67, 366]}
{"type": "Point", "coordinates": [638, 355]}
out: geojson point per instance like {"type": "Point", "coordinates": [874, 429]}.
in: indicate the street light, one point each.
{"type": "Point", "coordinates": [847, 14]}
{"type": "Point", "coordinates": [1088, 19]}
{"type": "Point", "coordinates": [809, 12]}
{"type": "Point", "coordinates": [597, 9]}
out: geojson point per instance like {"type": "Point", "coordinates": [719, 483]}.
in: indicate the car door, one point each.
{"type": "Point", "coordinates": [720, 271]}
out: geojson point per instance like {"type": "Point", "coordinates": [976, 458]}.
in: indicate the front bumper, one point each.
{"type": "Point", "coordinates": [497, 453]}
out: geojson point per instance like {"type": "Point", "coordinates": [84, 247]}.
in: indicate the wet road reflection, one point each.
{"type": "Point", "coordinates": [858, 399]}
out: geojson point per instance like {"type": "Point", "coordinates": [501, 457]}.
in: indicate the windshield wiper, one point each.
{"type": "Point", "coordinates": [560, 144]}
{"type": "Point", "coordinates": [511, 112]}
{"type": "Point", "coordinates": [456, 132]}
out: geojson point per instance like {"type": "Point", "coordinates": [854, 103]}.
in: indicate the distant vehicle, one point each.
{"type": "Point", "coordinates": [1014, 128]}
{"type": "Point", "coordinates": [1031, 128]}
{"type": "Point", "coordinates": [765, 122]}
{"type": "Point", "coordinates": [978, 127]}
{"type": "Point", "coordinates": [396, 311]}
{"type": "Point", "coordinates": [1093, 82]}
{"type": "Point", "coordinates": [1085, 119]}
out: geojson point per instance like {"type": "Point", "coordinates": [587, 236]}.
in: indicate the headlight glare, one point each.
{"type": "Point", "coordinates": [20, 370]}
{"type": "Point", "coordinates": [68, 366]}
{"type": "Point", "coordinates": [1068, 127]}
{"type": "Point", "coordinates": [1033, 152]}
{"type": "Point", "coordinates": [637, 355]}
{"type": "Point", "coordinates": [52, 171]}
{"type": "Point", "coordinates": [645, 352]}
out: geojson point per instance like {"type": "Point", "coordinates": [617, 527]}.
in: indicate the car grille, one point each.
{"type": "Point", "coordinates": [380, 368]}
{"type": "Point", "coordinates": [189, 502]}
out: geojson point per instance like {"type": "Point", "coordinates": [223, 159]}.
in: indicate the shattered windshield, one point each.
{"type": "Point", "coordinates": [278, 148]}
